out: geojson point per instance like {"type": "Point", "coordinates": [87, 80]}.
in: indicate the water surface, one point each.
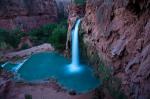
{"type": "Point", "coordinates": [52, 65]}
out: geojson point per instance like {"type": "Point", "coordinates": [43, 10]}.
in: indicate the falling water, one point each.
{"type": "Point", "coordinates": [75, 65]}
{"type": "Point", "coordinates": [3, 65]}
{"type": "Point", "coordinates": [75, 46]}
{"type": "Point", "coordinates": [16, 68]}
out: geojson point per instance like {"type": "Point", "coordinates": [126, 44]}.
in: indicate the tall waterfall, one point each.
{"type": "Point", "coordinates": [75, 44]}
{"type": "Point", "coordinates": [75, 65]}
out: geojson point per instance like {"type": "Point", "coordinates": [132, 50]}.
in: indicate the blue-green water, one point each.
{"type": "Point", "coordinates": [52, 65]}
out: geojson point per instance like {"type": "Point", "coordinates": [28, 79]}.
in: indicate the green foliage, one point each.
{"type": "Point", "coordinates": [80, 2]}
{"type": "Point", "coordinates": [113, 84]}
{"type": "Point", "coordinates": [10, 38]}
{"type": "Point", "coordinates": [58, 37]}
{"type": "Point", "coordinates": [41, 34]}
{"type": "Point", "coordinates": [14, 37]}
{"type": "Point", "coordinates": [27, 96]}
{"type": "Point", "coordinates": [51, 33]}
{"type": "Point", "coordinates": [3, 35]}
{"type": "Point", "coordinates": [25, 46]}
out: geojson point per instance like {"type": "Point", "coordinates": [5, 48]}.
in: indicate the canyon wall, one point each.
{"type": "Point", "coordinates": [119, 31]}
{"type": "Point", "coordinates": [62, 6]}
{"type": "Point", "coordinates": [27, 14]}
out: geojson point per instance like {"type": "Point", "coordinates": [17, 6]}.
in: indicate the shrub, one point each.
{"type": "Point", "coordinates": [10, 38]}
{"type": "Point", "coordinates": [58, 37]}
{"type": "Point", "coordinates": [3, 37]}
{"type": "Point", "coordinates": [14, 37]}
{"type": "Point", "coordinates": [80, 2]}
{"type": "Point", "coordinates": [41, 34]}
{"type": "Point", "coordinates": [51, 33]}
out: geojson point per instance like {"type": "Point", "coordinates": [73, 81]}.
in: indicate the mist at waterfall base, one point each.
{"type": "Point", "coordinates": [47, 65]}
{"type": "Point", "coordinates": [75, 65]}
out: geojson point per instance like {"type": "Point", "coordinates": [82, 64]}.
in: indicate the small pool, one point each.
{"type": "Point", "coordinates": [52, 65]}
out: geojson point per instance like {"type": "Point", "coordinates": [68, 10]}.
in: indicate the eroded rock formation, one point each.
{"type": "Point", "coordinates": [27, 14]}
{"type": "Point", "coordinates": [118, 30]}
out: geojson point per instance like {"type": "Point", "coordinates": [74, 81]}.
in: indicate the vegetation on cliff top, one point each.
{"type": "Point", "coordinates": [50, 33]}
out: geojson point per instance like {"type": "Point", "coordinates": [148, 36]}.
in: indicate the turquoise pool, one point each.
{"type": "Point", "coordinates": [52, 65]}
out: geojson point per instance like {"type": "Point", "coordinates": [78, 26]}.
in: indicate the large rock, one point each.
{"type": "Point", "coordinates": [27, 14]}
{"type": "Point", "coordinates": [119, 31]}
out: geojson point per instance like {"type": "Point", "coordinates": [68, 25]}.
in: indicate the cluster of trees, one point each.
{"type": "Point", "coordinates": [50, 33]}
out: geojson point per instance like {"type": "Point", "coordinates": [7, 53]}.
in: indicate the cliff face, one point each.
{"type": "Point", "coordinates": [119, 31]}
{"type": "Point", "coordinates": [27, 14]}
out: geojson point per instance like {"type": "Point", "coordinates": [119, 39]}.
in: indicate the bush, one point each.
{"type": "Point", "coordinates": [14, 37]}
{"type": "Point", "coordinates": [10, 38]}
{"type": "Point", "coordinates": [80, 2]}
{"type": "Point", "coordinates": [51, 33]}
{"type": "Point", "coordinates": [3, 37]}
{"type": "Point", "coordinates": [58, 37]}
{"type": "Point", "coordinates": [41, 34]}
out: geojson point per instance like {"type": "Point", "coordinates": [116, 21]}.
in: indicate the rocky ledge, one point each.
{"type": "Point", "coordinates": [27, 52]}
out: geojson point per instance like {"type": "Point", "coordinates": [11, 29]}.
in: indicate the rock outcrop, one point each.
{"type": "Point", "coordinates": [5, 84]}
{"type": "Point", "coordinates": [27, 14]}
{"type": "Point", "coordinates": [118, 30]}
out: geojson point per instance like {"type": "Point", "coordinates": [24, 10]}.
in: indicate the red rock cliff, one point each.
{"type": "Point", "coordinates": [119, 31]}
{"type": "Point", "coordinates": [27, 14]}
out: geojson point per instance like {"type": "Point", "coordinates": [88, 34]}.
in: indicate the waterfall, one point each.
{"type": "Point", "coordinates": [3, 65]}
{"type": "Point", "coordinates": [75, 65]}
{"type": "Point", "coordinates": [16, 68]}
{"type": "Point", "coordinates": [75, 44]}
